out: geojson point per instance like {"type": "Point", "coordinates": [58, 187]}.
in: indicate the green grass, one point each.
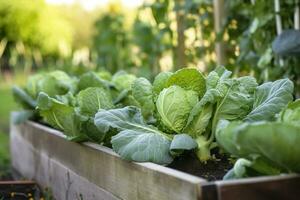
{"type": "Point", "coordinates": [7, 104]}
{"type": "Point", "coordinates": [4, 155]}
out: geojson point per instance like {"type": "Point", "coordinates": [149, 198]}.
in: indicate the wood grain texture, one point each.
{"type": "Point", "coordinates": [260, 188]}
{"type": "Point", "coordinates": [43, 154]}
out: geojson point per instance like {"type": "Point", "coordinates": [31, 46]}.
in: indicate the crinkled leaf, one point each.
{"type": "Point", "coordinates": [269, 99]}
{"type": "Point", "coordinates": [188, 79]}
{"type": "Point", "coordinates": [142, 93]}
{"type": "Point", "coordinates": [32, 85]}
{"type": "Point", "coordinates": [105, 75]}
{"type": "Point", "coordinates": [91, 79]}
{"type": "Point", "coordinates": [237, 101]}
{"type": "Point", "coordinates": [67, 99]}
{"type": "Point", "coordinates": [56, 83]}
{"type": "Point", "coordinates": [61, 116]}
{"type": "Point", "coordinates": [291, 114]}
{"type": "Point", "coordinates": [92, 132]}
{"type": "Point", "coordinates": [123, 80]}
{"type": "Point", "coordinates": [92, 99]}
{"type": "Point", "coordinates": [198, 119]}
{"type": "Point", "coordinates": [160, 81]}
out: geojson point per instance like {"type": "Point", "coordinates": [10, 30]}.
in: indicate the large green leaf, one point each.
{"type": "Point", "coordinates": [32, 84]}
{"type": "Point", "coordinates": [90, 130]}
{"type": "Point", "coordinates": [199, 119]}
{"type": "Point", "coordinates": [269, 99]}
{"type": "Point", "coordinates": [160, 82]}
{"type": "Point", "coordinates": [91, 79]}
{"type": "Point", "coordinates": [56, 83]}
{"type": "Point", "coordinates": [23, 98]}
{"type": "Point", "coordinates": [123, 80]}
{"type": "Point", "coordinates": [275, 142]}
{"type": "Point", "coordinates": [61, 116]}
{"type": "Point", "coordinates": [92, 99]}
{"type": "Point", "coordinates": [238, 99]}
{"type": "Point", "coordinates": [136, 140]}
{"type": "Point", "coordinates": [188, 79]}
{"type": "Point", "coordinates": [142, 146]}
{"type": "Point", "coordinates": [143, 94]}
{"type": "Point", "coordinates": [291, 114]}
{"type": "Point", "coordinates": [182, 142]}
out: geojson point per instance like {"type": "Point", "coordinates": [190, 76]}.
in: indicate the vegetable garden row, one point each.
{"type": "Point", "coordinates": [255, 126]}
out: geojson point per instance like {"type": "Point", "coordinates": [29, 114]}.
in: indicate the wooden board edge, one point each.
{"type": "Point", "coordinates": [259, 179]}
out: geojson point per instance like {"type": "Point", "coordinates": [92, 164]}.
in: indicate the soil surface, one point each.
{"type": "Point", "coordinates": [211, 171]}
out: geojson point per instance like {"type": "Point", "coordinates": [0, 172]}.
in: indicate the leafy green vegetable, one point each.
{"type": "Point", "coordinates": [122, 80]}
{"type": "Point", "coordinates": [291, 114]}
{"type": "Point", "coordinates": [136, 140]}
{"type": "Point", "coordinates": [32, 85]}
{"type": "Point", "coordinates": [269, 99]}
{"type": "Point", "coordinates": [181, 111]}
{"type": "Point", "coordinates": [143, 94]}
{"type": "Point", "coordinates": [23, 98]}
{"type": "Point", "coordinates": [188, 79]}
{"type": "Point", "coordinates": [105, 75]}
{"type": "Point", "coordinates": [182, 142]}
{"type": "Point", "coordinates": [273, 142]}
{"type": "Point", "coordinates": [91, 79]}
{"type": "Point", "coordinates": [174, 105]}
{"type": "Point", "coordinates": [55, 83]}
{"type": "Point", "coordinates": [225, 98]}
{"type": "Point", "coordinates": [160, 82]}
{"type": "Point", "coordinates": [61, 116]}
{"type": "Point", "coordinates": [92, 99]}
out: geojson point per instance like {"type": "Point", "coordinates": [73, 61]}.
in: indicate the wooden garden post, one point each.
{"type": "Point", "coordinates": [180, 21]}
{"type": "Point", "coordinates": [219, 18]}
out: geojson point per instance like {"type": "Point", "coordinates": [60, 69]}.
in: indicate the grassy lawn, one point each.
{"type": "Point", "coordinates": [7, 104]}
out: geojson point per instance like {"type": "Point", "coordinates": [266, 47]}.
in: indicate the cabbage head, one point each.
{"type": "Point", "coordinates": [174, 105]}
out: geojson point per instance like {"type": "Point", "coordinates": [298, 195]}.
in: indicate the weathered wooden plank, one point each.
{"type": "Point", "coordinates": [260, 188]}
{"type": "Point", "coordinates": [55, 161]}
{"type": "Point", "coordinates": [37, 165]}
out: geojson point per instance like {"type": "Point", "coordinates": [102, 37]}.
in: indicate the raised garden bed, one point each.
{"type": "Point", "coordinates": [91, 171]}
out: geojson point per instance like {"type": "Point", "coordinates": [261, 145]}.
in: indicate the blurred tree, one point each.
{"type": "Point", "coordinates": [153, 36]}
{"type": "Point", "coordinates": [32, 29]}
{"type": "Point", "coordinates": [111, 40]}
{"type": "Point", "coordinates": [82, 23]}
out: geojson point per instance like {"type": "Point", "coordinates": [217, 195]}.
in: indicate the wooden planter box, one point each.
{"type": "Point", "coordinates": [90, 171]}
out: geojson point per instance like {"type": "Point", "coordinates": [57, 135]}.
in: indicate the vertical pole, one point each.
{"type": "Point", "coordinates": [180, 50]}
{"type": "Point", "coordinates": [219, 17]}
{"type": "Point", "coordinates": [297, 15]}
{"type": "Point", "coordinates": [278, 24]}
{"type": "Point", "coordinates": [278, 17]}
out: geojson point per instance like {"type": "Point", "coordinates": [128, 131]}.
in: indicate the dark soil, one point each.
{"type": "Point", "coordinates": [211, 171]}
